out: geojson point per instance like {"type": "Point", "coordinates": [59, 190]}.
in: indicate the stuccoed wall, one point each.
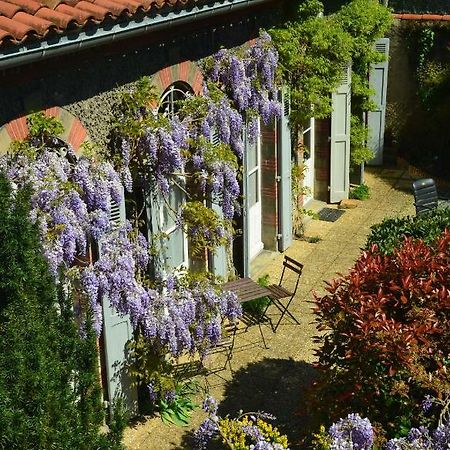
{"type": "Point", "coordinates": [88, 84]}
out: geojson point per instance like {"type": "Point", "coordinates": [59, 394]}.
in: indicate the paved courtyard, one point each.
{"type": "Point", "coordinates": [274, 379]}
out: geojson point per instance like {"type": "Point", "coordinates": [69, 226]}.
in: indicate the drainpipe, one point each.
{"type": "Point", "coordinates": [28, 53]}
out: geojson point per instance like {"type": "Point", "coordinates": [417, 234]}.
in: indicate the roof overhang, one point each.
{"type": "Point", "coordinates": [29, 52]}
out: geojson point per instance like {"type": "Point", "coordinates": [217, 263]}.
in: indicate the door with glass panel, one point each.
{"type": "Point", "coordinates": [253, 196]}
{"type": "Point", "coordinates": [175, 246]}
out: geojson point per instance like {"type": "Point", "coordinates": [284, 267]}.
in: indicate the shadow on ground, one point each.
{"type": "Point", "coordinates": [276, 386]}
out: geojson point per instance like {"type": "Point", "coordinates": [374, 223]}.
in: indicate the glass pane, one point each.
{"type": "Point", "coordinates": [253, 196]}
{"type": "Point", "coordinates": [175, 249]}
{"type": "Point", "coordinates": [252, 155]}
{"type": "Point", "coordinates": [175, 201]}
{"type": "Point", "coordinates": [307, 144]}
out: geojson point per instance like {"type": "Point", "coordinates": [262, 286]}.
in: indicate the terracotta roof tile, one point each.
{"type": "Point", "coordinates": [41, 26]}
{"type": "Point", "coordinates": [4, 35]}
{"type": "Point", "coordinates": [62, 21]}
{"type": "Point", "coordinates": [23, 19]}
{"type": "Point", "coordinates": [29, 6]}
{"type": "Point", "coordinates": [81, 17]}
{"type": "Point", "coordinates": [16, 29]}
{"type": "Point", "coordinates": [8, 9]}
{"type": "Point", "coordinates": [116, 8]}
{"type": "Point", "coordinates": [131, 5]}
{"type": "Point", "coordinates": [98, 12]}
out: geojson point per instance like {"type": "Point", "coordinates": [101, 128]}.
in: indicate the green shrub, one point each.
{"type": "Point", "coordinates": [360, 192]}
{"type": "Point", "coordinates": [385, 335]}
{"type": "Point", "coordinates": [258, 306]}
{"type": "Point", "coordinates": [49, 383]}
{"type": "Point", "coordinates": [388, 234]}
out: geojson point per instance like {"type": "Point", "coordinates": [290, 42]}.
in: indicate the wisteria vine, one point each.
{"type": "Point", "coordinates": [202, 145]}
{"type": "Point", "coordinates": [205, 140]}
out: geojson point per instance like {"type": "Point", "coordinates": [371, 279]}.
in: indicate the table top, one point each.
{"type": "Point", "coordinates": [246, 289]}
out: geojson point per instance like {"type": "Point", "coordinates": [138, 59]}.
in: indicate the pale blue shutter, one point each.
{"type": "Point", "coordinates": [340, 139]}
{"type": "Point", "coordinates": [218, 259]}
{"type": "Point", "coordinates": [117, 331]}
{"type": "Point", "coordinates": [285, 175]}
{"type": "Point", "coordinates": [378, 78]}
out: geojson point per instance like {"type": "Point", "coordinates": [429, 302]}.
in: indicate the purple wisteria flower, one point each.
{"type": "Point", "coordinates": [353, 432]}
{"type": "Point", "coordinates": [427, 403]}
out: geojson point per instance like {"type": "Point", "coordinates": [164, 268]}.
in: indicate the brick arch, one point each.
{"type": "Point", "coordinates": [74, 131]}
{"type": "Point", "coordinates": [186, 71]}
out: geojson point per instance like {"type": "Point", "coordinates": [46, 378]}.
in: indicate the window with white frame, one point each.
{"type": "Point", "coordinates": [175, 253]}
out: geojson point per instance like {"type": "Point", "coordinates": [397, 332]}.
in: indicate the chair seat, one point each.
{"type": "Point", "coordinates": [279, 292]}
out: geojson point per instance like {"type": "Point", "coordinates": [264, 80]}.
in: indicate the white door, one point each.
{"type": "Point", "coordinates": [308, 161]}
{"type": "Point", "coordinates": [253, 193]}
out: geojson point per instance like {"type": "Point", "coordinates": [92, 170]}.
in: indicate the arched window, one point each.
{"type": "Point", "coordinates": [176, 252]}
{"type": "Point", "coordinates": [169, 103]}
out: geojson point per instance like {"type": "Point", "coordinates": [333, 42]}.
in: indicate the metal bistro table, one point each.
{"type": "Point", "coordinates": [246, 290]}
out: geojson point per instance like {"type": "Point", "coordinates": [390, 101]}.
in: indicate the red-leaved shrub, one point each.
{"type": "Point", "coordinates": [385, 333]}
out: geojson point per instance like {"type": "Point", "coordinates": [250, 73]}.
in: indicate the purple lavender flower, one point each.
{"type": "Point", "coordinates": [151, 391]}
{"type": "Point", "coordinates": [441, 437]}
{"type": "Point", "coordinates": [169, 396]}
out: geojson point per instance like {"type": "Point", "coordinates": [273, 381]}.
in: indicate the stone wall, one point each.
{"type": "Point", "coordinates": [87, 83]}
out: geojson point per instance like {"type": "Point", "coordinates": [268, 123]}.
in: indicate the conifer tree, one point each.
{"type": "Point", "coordinates": [49, 387]}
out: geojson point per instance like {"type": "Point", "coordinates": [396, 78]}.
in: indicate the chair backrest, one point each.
{"type": "Point", "coordinates": [291, 264]}
{"type": "Point", "coordinates": [425, 195]}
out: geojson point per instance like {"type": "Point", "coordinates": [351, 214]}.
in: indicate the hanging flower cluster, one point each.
{"type": "Point", "coordinates": [188, 317]}
{"type": "Point", "coordinates": [249, 78]}
{"type": "Point", "coordinates": [72, 197]}
{"type": "Point", "coordinates": [353, 432]}
{"type": "Point", "coordinates": [69, 201]}
{"type": "Point", "coordinates": [205, 139]}
{"type": "Point", "coordinates": [175, 318]}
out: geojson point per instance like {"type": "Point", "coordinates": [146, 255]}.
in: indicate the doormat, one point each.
{"type": "Point", "coordinates": [330, 214]}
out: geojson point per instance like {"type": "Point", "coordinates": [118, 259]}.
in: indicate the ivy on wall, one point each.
{"type": "Point", "coordinates": [314, 49]}
{"type": "Point", "coordinates": [421, 134]}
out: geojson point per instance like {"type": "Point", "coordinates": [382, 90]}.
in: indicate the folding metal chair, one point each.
{"type": "Point", "coordinates": [224, 347]}
{"type": "Point", "coordinates": [425, 196]}
{"type": "Point", "coordinates": [282, 293]}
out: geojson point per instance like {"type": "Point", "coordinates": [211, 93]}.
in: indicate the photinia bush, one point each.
{"type": "Point", "coordinates": [385, 339]}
